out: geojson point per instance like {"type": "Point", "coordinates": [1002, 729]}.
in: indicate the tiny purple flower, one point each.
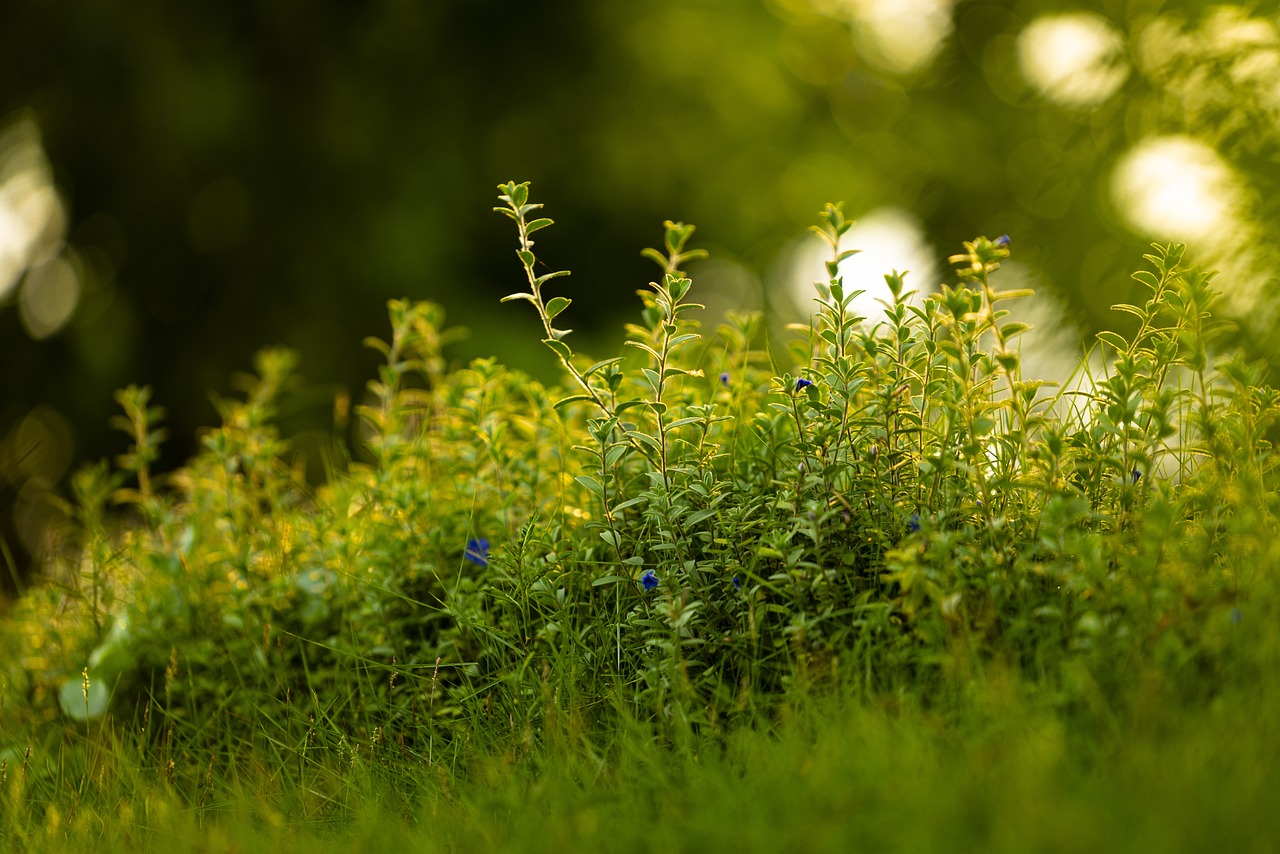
{"type": "Point", "coordinates": [724, 378]}
{"type": "Point", "coordinates": [802, 384]}
{"type": "Point", "coordinates": [737, 583]}
{"type": "Point", "coordinates": [913, 524]}
{"type": "Point", "coordinates": [649, 580]}
{"type": "Point", "coordinates": [1137, 475]}
{"type": "Point", "coordinates": [477, 551]}
{"type": "Point", "coordinates": [1003, 241]}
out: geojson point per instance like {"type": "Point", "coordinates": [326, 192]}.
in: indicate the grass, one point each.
{"type": "Point", "coordinates": [883, 592]}
{"type": "Point", "coordinates": [835, 776]}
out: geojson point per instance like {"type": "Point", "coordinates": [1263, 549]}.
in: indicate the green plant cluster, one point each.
{"type": "Point", "coordinates": [684, 535]}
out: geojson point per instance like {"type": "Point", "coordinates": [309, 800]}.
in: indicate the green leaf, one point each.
{"type": "Point", "coordinates": [115, 654]}
{"type": "Point", "coordinates": [655, 256]}
{"type": "Point", "coordinates": [1017, 293]}
{"type": "Point", "coordinates": [374, 343]}
{"type": "Point", "coordinates": [1147, 278]}
{"type": "Point", "coordinates": [646, 439]}
{"type": "Point", "coordinates": [699, 516]}
{"type": "Point", "coordinates": [537, 225]}
{"type": "Point", "coordinates": [561, 349]}
{"type": "Point", "coordinates": [607, 579]}
{"type": "Point", "coordinates": [591, 485]}
{"type": "Point", "coordinates": [604, 363]}
{"type": "Point", "coordinates": [1129, 309]}
{"type": "Point", "coordinates": [1114, 339]}
{"type": "Point", "coordinates": [510, 297]}
{"type": "Point", "coordinates": [573, 398]}
{"type": "Point", "coordinates": [543, 279]}
{"type": "Point", "coordinates": [557, 305]}
{"type": "Point", "coordinates": [640, 345]}
{"type": "Point", "coordinates": [526, 257]}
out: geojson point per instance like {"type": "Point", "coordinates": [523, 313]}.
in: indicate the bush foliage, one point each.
{"type": "Point", "coordinates": [691, 533]}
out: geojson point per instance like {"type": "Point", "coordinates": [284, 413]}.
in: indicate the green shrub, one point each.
{"type": "Point", "coordinates": [685, 535]}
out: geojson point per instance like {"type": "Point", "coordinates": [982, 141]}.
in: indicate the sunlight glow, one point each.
{"type": "Point", "coordinates": [889, 239]}
{"type": "Point", "coordinates": [32, 232]}
{"type": "Point", "coordinates": [1076, 59]}
{"type": "Point", "coordinates": [898, 36]}
{"type": "Point", "coordinates": [31, 215]}
{"type": "Point", "coordinates": [1176, 186]}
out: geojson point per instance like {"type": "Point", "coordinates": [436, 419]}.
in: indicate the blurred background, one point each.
{"type": "Point", "coordinates": [184, 183]}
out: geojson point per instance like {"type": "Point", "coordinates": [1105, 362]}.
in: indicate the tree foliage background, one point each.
{"type": "Point", "coordinates": [181, 184]}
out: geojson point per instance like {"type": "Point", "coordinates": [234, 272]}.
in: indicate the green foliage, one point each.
{"type": "Point", "coordinates": [684, 542]}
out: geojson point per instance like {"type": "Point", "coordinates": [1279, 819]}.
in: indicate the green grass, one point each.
{"type": "Point", "coordinates": [879, 591]}
{"type": "Point", "coordinates": [836, 776]}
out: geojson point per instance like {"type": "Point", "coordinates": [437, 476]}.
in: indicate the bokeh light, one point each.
{"type": "Point", "coordinates": [888, 239]}
{"type": "Point", "coordinates": [35, 453]}
{"type": "Point", "coordinates": [1076, 59]}
{"type": "Point", "coordinates": [49, 296]}
{"type": "Point", "coordinates": [1176, 186]}
{"type": "Point", "coordinates": [897, 36]}
{"type": "Point", "coordinates": [32, 219]}
{"type": "Point", "coordinates": [32, 233]}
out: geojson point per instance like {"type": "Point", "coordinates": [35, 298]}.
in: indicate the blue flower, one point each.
{"type": "Point", "coordinates": [1137, 475]}
{"type": "Point", "coordinates": [477, 551]}
{"type": "Point", "coordinates": [737, 583]}
{"type": "Point", "coordinates": [802, 383]}
{"type": "Point", "coordinates": [913, 524]}
{"type": "Point", "coordinates": [1002, 241]}
{"type": "Point", "coordinates": [724, 378]}
{"type": "Point", "coordinates": [649, 579]}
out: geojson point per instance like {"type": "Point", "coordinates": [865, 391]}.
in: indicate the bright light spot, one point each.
{"type": "Point", "coordinates": [1176, 187]}
{"type": "Point", "coordinates": [889, 239]}
{"type": "Point", "coordinates": [1075, 59]}
{"type": "Point", "coordinates": [32, 220]}
{"type": "Point", "coordinates": [898, 36]}
{"type": "Point", "coordinates": [48, 297]}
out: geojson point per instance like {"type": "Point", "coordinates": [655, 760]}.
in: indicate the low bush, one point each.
{"type": "Point", "coordinates": [685, 540]}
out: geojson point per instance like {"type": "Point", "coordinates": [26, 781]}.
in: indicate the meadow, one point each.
{"type": "Point", "coordinates": [869, 587]}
